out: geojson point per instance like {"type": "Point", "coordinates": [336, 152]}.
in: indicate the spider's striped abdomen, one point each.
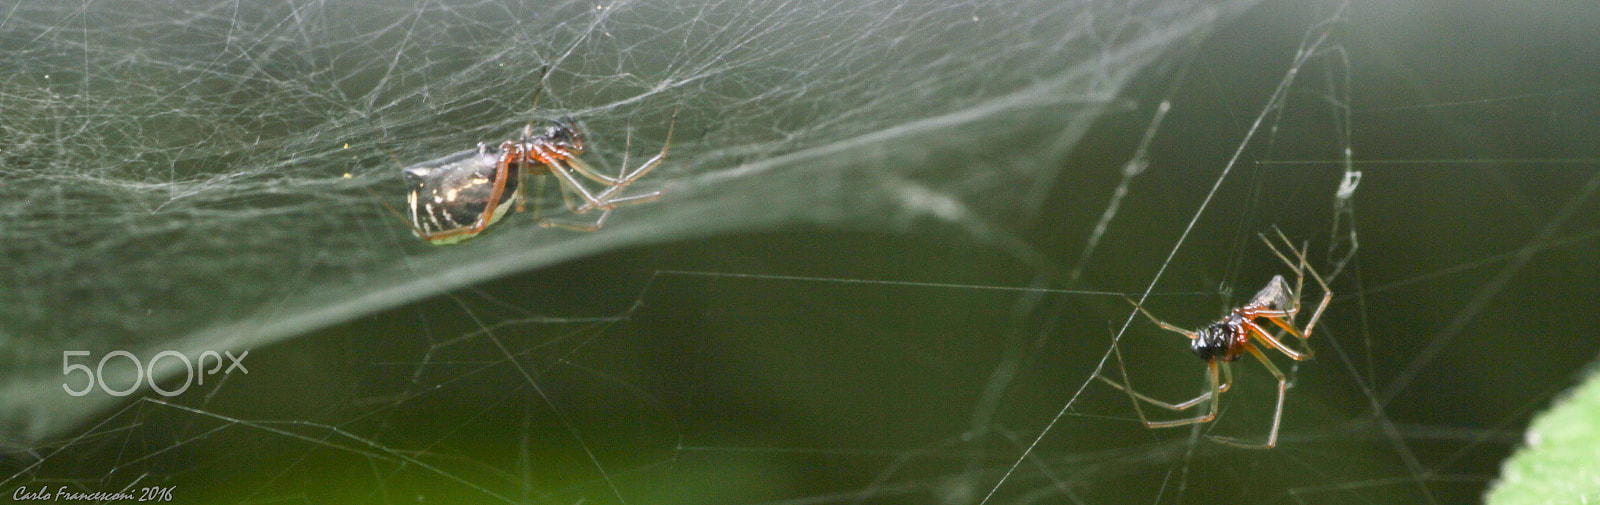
{"type": "Point", "coordinates": [452, 193]}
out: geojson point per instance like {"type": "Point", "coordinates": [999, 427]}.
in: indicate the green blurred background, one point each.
{"type": "Point", "coordinates": [773, 366]}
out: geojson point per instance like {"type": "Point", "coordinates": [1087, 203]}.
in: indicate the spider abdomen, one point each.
{"type": "Point", "coordinates": [455, 192]}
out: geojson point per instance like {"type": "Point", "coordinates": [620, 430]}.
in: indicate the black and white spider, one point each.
{"type": "Point", "coordinates": [1237, 334]}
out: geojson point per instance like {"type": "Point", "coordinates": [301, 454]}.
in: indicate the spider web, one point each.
{"type": "Point", "coordinates": [887, 265]}
{"type": "Point", "coordinates": [196, 176]}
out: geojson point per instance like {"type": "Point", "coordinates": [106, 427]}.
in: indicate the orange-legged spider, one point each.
{"type": "Point", "coordinates": [1227, 339]}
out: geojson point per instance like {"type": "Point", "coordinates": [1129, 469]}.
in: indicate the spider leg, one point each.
{"type": "Point", "coordinates": [1283, 319]}
{"type": "Point", "coordinates": [1176, 407]}
{"type": "Point", "coordinates": [1290, 245]}
{"type": "Point", "coordinates": [538, 192]}
{"type": "Point", "coordinates": [609, 199]}
{"type": "Point", "coordinates": [548, 222]}
{"type": "Point", "coordinates": [1211, 413]}
{"type": "Point", "coordinates": [605, 201]}
{"type": "Point", "coordinates": [510, 151]}
{"type": "Point", "coordinates": [552, 223]}
{"type": "Point", "coordinates": [1164, 325]}
{"type": "Point", "coordinates": [1262, 335]}
{"type": "Point", "coordinates": [1301, 269]}
{"type": "Point", "coordinates": [609, 195]}
{"type": "Point", "coordinates": [584, 169]}
{"type": "Point", "coordinates": [635, 199]}
{"type": "Point", "coordinates": [522, 173]}
{"type": "Point", "coordinates": [624, 178]}
{"type": "Point", "coordinates": [522, 197]}
{"type": "Point", "coordinates": [627, 145]}
{"type": "Point", "coordinates": [1277, 414]}
{"type": "Point", "coordinates": [566, 195]}
{"type": "Point", "coordinates": [1134, 397]}
{"type": "Point", "coordinates": [1285, 322]}
{"type": "Point", "coordinates": [563, 172]}
{"type": "Point", "coordinates": [1327, 296]}
{"type": "Point", "coordinates": [527, 131]}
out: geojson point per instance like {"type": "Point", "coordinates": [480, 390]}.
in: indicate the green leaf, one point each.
{"type": "Point", "coordinates": [1561, 461]}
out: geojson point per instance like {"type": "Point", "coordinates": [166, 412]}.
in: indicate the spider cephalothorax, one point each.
{"type": "Point", "coordinates": [564, 134]}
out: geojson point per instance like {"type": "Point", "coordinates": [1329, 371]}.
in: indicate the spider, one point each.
{"type": "Point", "coordinates": [455, 198]}
{"type": "Point", "coordinates": [1227, 339]}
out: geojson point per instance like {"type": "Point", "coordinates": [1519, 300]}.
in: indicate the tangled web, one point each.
{"type": "Point", "coordinates": [210, 177]}
{"type": "Point", "coordinates": [177, 174]}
